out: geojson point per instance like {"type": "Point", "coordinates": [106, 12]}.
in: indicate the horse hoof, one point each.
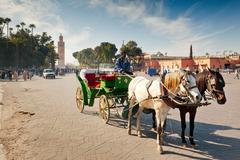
{"type": "Point", "coordinates": [160, 150]}
{"type": "Point", "coordinates": [193, 146]}
{"type": "Point", "coordinates": [184, 141]}
{"type": "Point", "coordinates": [129, 132]}
{"type": "Point", "coordinates": [139, 135]}
{"type": "Point", "coordinates": [192, 142]}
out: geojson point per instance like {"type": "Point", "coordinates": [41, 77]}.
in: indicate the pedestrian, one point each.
{"type": "Point", "coordinates": [30, 74]}
{"type": "Point", "coordinates": [3, 75]}
{"type": "Point", "coordinates": [10, 75]}
{"type": "Point", "coordinates": [166, 70]}
{"type": "Point", "coordinates": [24, 75]}
{"type": "Point", "coordinates": [15, 75]}
{"type": "Point", "coordinates": [236, 74]}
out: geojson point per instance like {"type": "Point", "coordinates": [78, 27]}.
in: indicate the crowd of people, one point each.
{"type": "Point", "coordinates": [15, 74]}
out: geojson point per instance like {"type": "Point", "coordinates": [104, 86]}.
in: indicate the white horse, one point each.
{"type": "Point", "coordinates": [181, 83]}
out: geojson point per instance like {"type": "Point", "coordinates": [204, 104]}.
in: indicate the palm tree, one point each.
{"type": "Point", "coordinates": [22, 24]}
{"type": "Point", "coordinates": [18, 26]}
{"type": "Point", "coordinates": [32, 26]}
{"type": "Point", "coordinates": [7, 20]}
{"type": "Point", "coordinates": [1, 25]}
{"type": "Point", "coordinates": [10, 30]}
{"type": "Point", "coordinates": [1, 20]}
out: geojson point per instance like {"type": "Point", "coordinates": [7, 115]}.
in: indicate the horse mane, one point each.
{"type": "Point", "coordinates": [172, 80]}
{"type": "Point", "coordinates": [201, 80]}
{"type": "Point", "coordinates": [219, 76]}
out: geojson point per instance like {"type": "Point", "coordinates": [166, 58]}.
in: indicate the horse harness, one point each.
{"type": "Point", "coordinates": [147, 87]}
{"type": "Point", "coordinates": [211, 85]}
{"type": "Point", "coordinates": [171, 99]}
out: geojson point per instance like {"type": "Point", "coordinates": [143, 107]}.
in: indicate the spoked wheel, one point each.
{"type": "Point", "coordinates": [104, 109]}
{"type": "Point", "coordinates": [80, 99]}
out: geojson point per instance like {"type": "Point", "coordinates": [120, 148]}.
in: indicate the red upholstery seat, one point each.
{"type": "Point", "coordinates": [108, 77]}
{"type": "Point", "coordinates": [91, 79]}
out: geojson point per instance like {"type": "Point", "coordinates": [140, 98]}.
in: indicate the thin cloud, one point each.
{"type": "Point", "coordinates": [192, 9]}
{"type": "Point", "coordinates": [75, 41]}
{"type": "Point", "coordinates": [77, 38]}
{"type": "Point", "coordinates": [42, 13]}
{"type": "Point", "coordinates": [136, 12]}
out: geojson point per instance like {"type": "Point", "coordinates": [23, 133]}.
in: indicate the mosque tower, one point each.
{"type": "Point", "coordinates": [191, 53]}
{"type": "Point", "coordinates": [61, 52]}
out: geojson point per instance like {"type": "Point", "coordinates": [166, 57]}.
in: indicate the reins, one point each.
{"type": "Point", "coordinates": [172, 98]}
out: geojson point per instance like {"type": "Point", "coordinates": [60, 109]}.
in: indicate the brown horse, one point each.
{"type": "Point", "coordinates": [212, 82]}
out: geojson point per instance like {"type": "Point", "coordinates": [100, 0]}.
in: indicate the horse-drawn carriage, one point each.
{"type": "Point", "coordinates": [111, 89]}
{"type": "Point", "coordinates": [113, 92]}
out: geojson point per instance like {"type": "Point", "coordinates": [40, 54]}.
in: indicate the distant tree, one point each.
{"type": "Point", "coordinates": [132, 49]}
{"type": "Point", "coordinates": [22, 24]}
{"type": "Point", "coordinates": [32, 26]}
{"type": "Point", "coordinates": [17, 26]}
{"type": "Point", "coordinates": [86, 57]}
{"type": "Point", "coordinates": [18, 40]}
{"type": "Point", "coordinates": [22, 49]}
{"type": "Point", "coordinates": [2, 24]}
{"type": "Point", "coordinates": [105, 52]}
{"type": "Point", "coordinates": [159, 54]}
{"type": "Point", "coordinates": [52, 55]}
{"type": "Point", "coordinates": [7, 21]}
{"type": "Point", "coordinates": [10, 30]}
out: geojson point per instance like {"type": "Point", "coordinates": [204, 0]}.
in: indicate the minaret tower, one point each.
{"type": "Point", "coordinates": [61, 52]}
{"type": "Point", "coordinates": [191, 53]}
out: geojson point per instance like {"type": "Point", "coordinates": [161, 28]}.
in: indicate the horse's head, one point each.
{"type": "Point", "coordinates": [215, 85]}
{"type": "Point", "coordinates": [183, 83]}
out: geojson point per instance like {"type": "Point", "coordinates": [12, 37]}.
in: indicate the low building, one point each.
{"type": "Point", "coordinates": [194, 63]}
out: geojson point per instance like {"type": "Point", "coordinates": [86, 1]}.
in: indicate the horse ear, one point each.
{"type": "Point", "coordinates": [211, 71]}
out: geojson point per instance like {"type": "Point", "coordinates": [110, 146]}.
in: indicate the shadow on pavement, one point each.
{"type": "Point", "coordinates": [207, 139]}
{"type": "Point", "coordinates": [209, 142]}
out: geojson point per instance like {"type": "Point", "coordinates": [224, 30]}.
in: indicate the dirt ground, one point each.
{"type": "Point", "coordinates": [12, 134]}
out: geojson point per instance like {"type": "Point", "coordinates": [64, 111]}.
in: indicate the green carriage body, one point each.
{"type": "Point", "coordinates": [107, 87]}
{"type": "Point", "coordinates": [117, 88]}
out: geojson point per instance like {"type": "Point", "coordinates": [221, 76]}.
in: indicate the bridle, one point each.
{"type": "Point", "coordinates": [181, 98]}
{"type": "Point", "coordinates": [211, 85]}
{"type": "Point", "coordinates": [185, 83]}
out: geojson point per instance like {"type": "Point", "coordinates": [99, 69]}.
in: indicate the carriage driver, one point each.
{"type": "Point", "coordinates": [123, 65]}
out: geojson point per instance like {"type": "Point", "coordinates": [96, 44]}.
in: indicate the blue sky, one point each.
{"type": "Point", "coordinates": [162, 25]}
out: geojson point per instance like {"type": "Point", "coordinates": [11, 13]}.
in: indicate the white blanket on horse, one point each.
{"type": "Point", "coordinates": [138, 88]}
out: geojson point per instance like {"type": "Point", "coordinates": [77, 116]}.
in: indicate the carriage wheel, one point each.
{"type": "Point", "coordinates": [79, 99]}
{"type": "Point", "coordinates": [104, 109]}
